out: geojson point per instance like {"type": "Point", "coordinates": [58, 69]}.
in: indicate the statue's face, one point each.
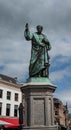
{"type": "Point", "coordinates": [39, 29]}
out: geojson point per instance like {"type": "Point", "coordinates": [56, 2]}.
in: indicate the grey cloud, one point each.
{"type": "Point", "coordinates": [52, 14]}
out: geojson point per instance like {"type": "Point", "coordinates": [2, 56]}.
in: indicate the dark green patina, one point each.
{"type": "Point", "coordinates": [39, 62]}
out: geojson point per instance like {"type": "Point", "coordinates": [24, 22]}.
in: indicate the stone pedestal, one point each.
{"type": "Point", "coordinates": [38, 97]}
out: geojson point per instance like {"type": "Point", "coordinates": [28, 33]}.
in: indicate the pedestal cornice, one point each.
{"type": "Point", "coordinates": [33, 83]}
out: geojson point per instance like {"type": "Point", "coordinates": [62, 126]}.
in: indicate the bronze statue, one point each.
{"type": "Point", "coordinates": [21, 113]}
{"type": "Point", "coordinates": [39, 62]}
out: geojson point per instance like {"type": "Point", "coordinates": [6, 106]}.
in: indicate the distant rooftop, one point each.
{"type": "Point", "coordinates": [8, 79]}
{"type": "Point", "coordinates": [56, 100]}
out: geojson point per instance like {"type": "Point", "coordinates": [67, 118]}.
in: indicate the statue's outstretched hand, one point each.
{"type": "Point", "coordinates": [26, 27]}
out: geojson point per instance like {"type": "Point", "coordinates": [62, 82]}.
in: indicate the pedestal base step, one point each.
{"type": "Point", "coordinates": [40, 128]}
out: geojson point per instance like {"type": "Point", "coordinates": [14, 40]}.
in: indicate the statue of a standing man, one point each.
{"type": "Point", "coordinates": [39, 62]}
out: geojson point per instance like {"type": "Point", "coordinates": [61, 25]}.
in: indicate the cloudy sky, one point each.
{"type": "Point", "coordinates": [55, 16]}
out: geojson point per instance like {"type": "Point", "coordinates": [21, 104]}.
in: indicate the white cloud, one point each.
{"type": "Point", "coordinates": [16, 70]}
{"type": "Point", "coordinates": [60, 74]}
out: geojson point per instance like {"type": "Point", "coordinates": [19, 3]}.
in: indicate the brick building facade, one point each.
{"type": "Point", "coordinates": [60, 113]}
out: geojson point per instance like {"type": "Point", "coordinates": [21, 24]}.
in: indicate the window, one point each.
{"type": "Point", "coordinates": [0, 77]}
{"type": "Point", "coordinates": [8, 109]}
{"type": "Point", "coordinates": [16, 96]}
{"type": "Point", "coordinates": [15, 110]}
{"type": "Point", "coordinates": [57, 105]}
{"type": "Point", "coordinates": [56, 112]}
{"type": "Point", "coordinates": [8, 95]}
{"type": "Point", "coordinates": [1, 93]}
{"type": "Point", "coordinates": [0, 108]}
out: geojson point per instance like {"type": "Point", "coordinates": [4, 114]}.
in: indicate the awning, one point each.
{"type": "Point", "coordinates": [10, 122]}
{"type": "Point", "coordinates": [4, 123]}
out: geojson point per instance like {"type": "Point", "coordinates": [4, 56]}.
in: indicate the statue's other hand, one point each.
{"type": "Point", "coordinates": [43, 41]}
{"type": "Point", "coordinates": [43, 45]}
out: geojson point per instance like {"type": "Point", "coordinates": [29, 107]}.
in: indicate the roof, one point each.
{"type": "Point", "coordinates": [8, 79]}
{"type": "Point", "coordinates": [56, 100]}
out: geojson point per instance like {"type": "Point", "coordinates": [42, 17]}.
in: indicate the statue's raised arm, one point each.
{"type": "Point", "coordinates": [27, 33]}
{"type": "Point", "coordinates": [26, 27]}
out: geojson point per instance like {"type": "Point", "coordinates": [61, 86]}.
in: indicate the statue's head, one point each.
{"type": "Point", "coordinates": [39, 28]}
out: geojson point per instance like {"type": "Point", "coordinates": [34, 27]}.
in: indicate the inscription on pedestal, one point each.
{"type": "Point", "coordinates": [39, 114]}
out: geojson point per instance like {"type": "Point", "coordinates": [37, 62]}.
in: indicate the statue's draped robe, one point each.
{"type": "Point", "coordinates": [39, 52]}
